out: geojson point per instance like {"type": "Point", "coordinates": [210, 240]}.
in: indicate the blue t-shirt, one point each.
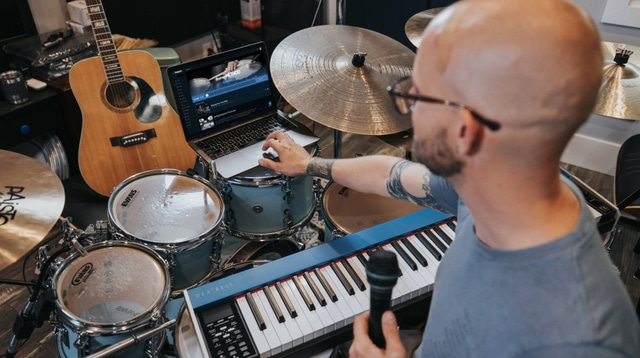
{"type": "Point", "coordinates": [560, 299]}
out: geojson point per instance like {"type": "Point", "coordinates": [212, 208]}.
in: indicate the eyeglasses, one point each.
{"type": "Point", "coordinates": [405, 102]}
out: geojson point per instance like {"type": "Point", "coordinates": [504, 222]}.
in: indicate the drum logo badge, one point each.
{"type": "Point", "coordinates": [82, 274]}
{"type": "Point", "coordinates": [129, 198]}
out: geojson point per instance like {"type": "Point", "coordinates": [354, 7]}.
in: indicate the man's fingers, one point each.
{"type": "Point", "coordinates": [390, 332]}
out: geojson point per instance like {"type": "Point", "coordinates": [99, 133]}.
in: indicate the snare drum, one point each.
{"type": "Point", "coordinates": [346, 211]}
{"type": "Point", "coordinates": [262, 204]}
{"type": "Point", "coordinates": [175, 214]}
{"type": "Point", "coordinates": [118, 289]}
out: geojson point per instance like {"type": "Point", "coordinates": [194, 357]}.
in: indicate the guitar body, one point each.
{"type": "Point", "coordinates": [129, 127]}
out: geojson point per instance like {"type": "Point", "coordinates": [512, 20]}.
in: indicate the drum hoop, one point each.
{"type": "Point", "coordinates": [80, 325]}
{"type": "Point", "coordinates": [265, 181]}
{"type": "Point", "coordinates": [192, 242]}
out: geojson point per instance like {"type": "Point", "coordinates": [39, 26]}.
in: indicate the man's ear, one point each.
{"type": "Point", "coordinates": [469, 135]}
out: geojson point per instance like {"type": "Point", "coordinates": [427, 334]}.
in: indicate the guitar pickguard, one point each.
{"type": "Point", "coordinates": [149, 109]}
{"type": "Point", "coordinates": [133, 94]}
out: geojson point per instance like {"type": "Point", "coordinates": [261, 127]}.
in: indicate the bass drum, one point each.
{"type": "Point", "coordinates": [346, 211]}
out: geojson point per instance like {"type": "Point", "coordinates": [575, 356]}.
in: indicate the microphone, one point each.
{"type": "Point", "coordinates": [382, 274]}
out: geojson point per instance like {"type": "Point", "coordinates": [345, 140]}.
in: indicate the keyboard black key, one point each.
{"type": "Point", "coordinates": [442, 235]}
{"type": "Point", "coordinates": [304, 294]}
{"type": "Point", "coordinates": [325, 284]}
{"type": "Point", "coordinates": [315, 290]}
{"type": "Point", "coordinates": [403, 254]}
{"type": "Point", "coordinates": [423, 240]}
{"type": "Point", "coordinates": [287, 301]}
{"type": "Point", "coordinates": [256, 314]}
{"type": "Point", "coordinates": [436, 240]}
{"type": "Point", "coordinates": [343, 280]}
{"type": "Point", "coordinates": [274, 305]}
{"type": "Point", "coordinates": [354, 276]}
{"type": "Point", "coordinates": [451, 224]}
{"type": "Point", "coordinates": [362, 259]}
{"type": "Point", "coordinates": [414, 252]}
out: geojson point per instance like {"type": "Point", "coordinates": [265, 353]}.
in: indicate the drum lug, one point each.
{"type": "Point", "coordinates": [62, 332]}
{"type": "Point", "coordinates": [337, 234]}
{"type": "Point", "coordinates": [81, 343]}
{"type": "Point", "coordinates": [288, 219]}
{"type": "Point", "coordinates": [288, 195]}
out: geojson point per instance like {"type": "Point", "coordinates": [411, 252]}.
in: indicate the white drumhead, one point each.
{"type": "Point", "coordinates": [112, 284]}
{"type": "Point", "coordinates": [165, 207]}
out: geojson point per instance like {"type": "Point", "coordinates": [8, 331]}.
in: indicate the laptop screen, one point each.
{"type": "Point", "coordinates": [223, 90]}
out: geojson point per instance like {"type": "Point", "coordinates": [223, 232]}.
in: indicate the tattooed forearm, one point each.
{"type": "Point", "coordinates": [320, 167]}
{"type": "Point", "coordinates": [398, 191]}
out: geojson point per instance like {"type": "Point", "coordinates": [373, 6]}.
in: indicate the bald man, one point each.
{"type": "Point", "coordinates": [498, 89]}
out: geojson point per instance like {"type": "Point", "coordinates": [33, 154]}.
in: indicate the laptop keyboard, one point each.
{"type": "Point", "coordinates": [233, 140]}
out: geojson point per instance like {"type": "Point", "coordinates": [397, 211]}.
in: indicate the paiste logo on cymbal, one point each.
{"type": "Point", "coordinates": [9, 200]}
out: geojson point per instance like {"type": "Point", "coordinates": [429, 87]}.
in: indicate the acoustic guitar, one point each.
{"type": "Point", "coordinates": [127, 125]}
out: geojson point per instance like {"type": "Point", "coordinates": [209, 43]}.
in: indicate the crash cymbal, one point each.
{"type": "Point", "coordinates": [414, 27]}
{"type": "Point", "coordinates": [337, 75]}
{"type": "Point", "coordinates": [619, 95]}
{"type": "Point", "coordinates": [402, 140]}
{"type": "Point", "coordinates": [31, 201]}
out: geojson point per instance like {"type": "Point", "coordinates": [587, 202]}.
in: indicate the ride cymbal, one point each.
{"type": "Point", "coordinates": [414, 27]}
{"type": "Point", "coordinates": [337, 75]}
{"type": "Point", "coordinates": [619, 95]}
{"type": "Point", "coordinates": [31, 201]}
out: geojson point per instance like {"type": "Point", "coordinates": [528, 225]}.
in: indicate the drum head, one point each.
{"type": "Point", "coordinates": [112, 285]}
{"type": "Point", "coordinates": [165, 207]}
{"type": "Point", "coordinates": [352, 211]}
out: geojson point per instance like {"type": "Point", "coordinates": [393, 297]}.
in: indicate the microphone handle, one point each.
{"type": "Point", "coordinates": [380, 302]}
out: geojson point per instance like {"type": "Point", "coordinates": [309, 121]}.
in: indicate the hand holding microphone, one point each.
{"type": "Point", "coordinates": [382, 274]}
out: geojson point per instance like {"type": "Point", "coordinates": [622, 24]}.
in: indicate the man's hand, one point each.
{"type": "Point", "coordinates": [292, 158]}
{"type": "Point", "coordinates": [362, 345]}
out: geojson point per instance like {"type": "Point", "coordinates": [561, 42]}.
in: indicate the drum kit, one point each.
{"type": "Point", "coordinates": [116, 287]}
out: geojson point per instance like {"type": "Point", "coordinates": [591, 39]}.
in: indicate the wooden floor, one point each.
{"type": "Point", "coordinates": [42, 342]}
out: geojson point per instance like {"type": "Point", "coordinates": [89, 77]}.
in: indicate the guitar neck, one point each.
{"type": "Point", "coordinates": [104, 41]}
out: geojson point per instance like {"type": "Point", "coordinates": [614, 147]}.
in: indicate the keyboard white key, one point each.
{"type": "Point", "coordinates": [258, 337]}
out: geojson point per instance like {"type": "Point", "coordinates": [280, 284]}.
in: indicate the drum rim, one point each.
{"type": "Point", "coordinates": [184, 245]}
{"type": "Point", "coordinates": [80, 325]}
{"type": "Point", "coordinates": [265, 181]}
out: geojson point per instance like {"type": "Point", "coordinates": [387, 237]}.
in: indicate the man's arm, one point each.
{"type": "Point", "coordinates": [376, 174]}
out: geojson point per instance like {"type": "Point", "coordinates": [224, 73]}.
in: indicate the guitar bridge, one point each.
{"type": "Point", "coordinates": [132, 139]}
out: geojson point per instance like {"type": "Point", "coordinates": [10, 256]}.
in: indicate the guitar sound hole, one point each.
{"type": "Point", "coordinates": [120, 94]}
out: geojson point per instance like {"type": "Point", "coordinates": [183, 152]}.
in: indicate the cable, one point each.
{"type": "Point", "coordinates": [316, 15]}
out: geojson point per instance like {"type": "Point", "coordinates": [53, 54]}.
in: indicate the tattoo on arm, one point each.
{"type": "Point", "coordinates": [398, 191]}
{"type": "Point", "coordinates": [320, 167]}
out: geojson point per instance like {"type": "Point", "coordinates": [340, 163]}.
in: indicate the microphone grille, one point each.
{"type": "Point", "coordinates": [382, 268]}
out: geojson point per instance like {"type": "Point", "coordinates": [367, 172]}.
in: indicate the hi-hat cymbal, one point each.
{"type": "Point", "coordinates": [414, 27]}
{"type": "Point", "coordinates": [619, 95]}
{"type": "Point", "coordinates": [318, 71]}
{"type": "Point", "coordinates": [31, 201]}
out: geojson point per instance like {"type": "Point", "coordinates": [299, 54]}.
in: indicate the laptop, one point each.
{"type": "Point", "coordinates": [227, 106]}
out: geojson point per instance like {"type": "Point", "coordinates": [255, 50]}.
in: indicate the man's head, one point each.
{"type": "Point", "coordinates": [534, 67]}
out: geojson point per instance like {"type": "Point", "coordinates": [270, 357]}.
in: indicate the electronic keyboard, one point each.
{"type": "Point", "coordinates": [281, 307]}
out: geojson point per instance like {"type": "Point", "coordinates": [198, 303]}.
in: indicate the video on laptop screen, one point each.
{"type": "Point", "coordinates": [218, 91]}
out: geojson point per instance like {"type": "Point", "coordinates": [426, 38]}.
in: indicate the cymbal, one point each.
{"type": "Point", "coordinates": [619, 95]}
{"type": "Point", "coordinates": [31, 201]}
{"type": "Point", "coordinates": [337, 75]}
{"type": "Point", "coordinates": [414, 27]}
{"type": "Point", "coordinates": [402, 140]}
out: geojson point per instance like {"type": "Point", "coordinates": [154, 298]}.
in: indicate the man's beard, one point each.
{"type": "Point", "coordinates": [438, 156]}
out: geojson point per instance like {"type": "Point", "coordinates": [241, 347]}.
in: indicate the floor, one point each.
{"type": "Point", "coordinates": [42, 342]}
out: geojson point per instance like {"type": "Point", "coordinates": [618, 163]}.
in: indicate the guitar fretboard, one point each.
{"type": "Point", "coordinates": [104, 41]}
